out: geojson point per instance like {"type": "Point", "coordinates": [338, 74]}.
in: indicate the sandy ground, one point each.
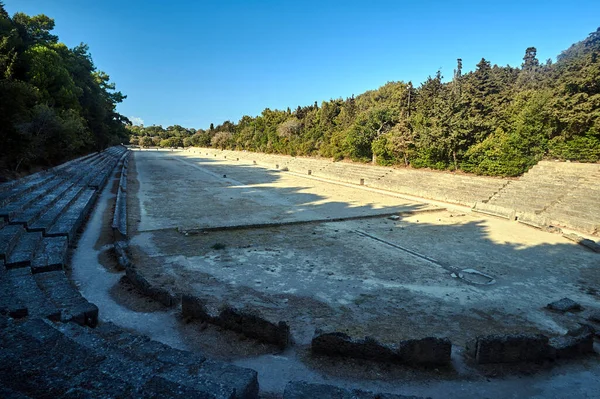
{"type": "Point", "coordinates": [364, 273]}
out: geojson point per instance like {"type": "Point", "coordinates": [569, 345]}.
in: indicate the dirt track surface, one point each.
{"type": "Point", "coordinates": [363, 274]}
{"type": "Point", "coordinates": [390, 279]}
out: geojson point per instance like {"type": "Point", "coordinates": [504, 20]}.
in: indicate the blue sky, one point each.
{"type": "Point", "coordinates": [196, 62]}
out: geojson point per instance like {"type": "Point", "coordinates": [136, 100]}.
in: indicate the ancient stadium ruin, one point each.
{"type": "Point", "coordinates": [208, 273]}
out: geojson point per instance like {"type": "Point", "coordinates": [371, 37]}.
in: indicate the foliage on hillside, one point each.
{"type": "Point", "coordinates": [54, 103]}
{"type": "Point", "coordinates": [494, 120]}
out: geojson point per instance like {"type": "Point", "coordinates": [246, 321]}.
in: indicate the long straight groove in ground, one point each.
{"type": "Point", "coordinates": [294, 222]}
{"type": "Point", "coordinates": [409, 251]}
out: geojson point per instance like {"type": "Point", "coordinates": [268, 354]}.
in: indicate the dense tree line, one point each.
{"type": "Point", "coordinates": [54, 103]}
{"type": "Point", "coordinates": [494, 120]}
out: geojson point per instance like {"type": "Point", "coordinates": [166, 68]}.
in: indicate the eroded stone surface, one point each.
{"type": "Point", "coordinates": [564, 305]}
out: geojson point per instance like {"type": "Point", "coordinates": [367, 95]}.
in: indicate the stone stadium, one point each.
{"type": "Point", "coordinates": [227, 274]}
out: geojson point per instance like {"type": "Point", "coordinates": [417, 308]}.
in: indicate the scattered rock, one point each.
{"type": "Point", "coordinates": [564, 305]}
{"type": "Point", "coordinates": [394, 217]}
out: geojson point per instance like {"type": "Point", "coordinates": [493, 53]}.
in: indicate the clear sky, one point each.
{"type": "Point", "coordinates": [196, 62]}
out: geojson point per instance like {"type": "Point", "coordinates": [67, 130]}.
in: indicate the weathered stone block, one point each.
{"type": "Point", "coordinates": [196, 308]}
{"type": "Point", "coordinates": [157, 293]}
{"type": "Point", "coordinates": [244, 321]}
{"type": "Point", "coordinates": [495, 210]}
{"type": "Point", "coordinates": [416, 351]}
{"type": "Point", "coordinates": [575, 343]}
{"type": "Point", "coordinates": [255, 326]}
{"type": "Point", "coordinates": [511, 348]}
{"type": "Point", "coordinates": [564, 305]}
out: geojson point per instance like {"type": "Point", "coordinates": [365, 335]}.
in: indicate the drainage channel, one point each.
{"type": "Point", "coordinates": [471, 276]}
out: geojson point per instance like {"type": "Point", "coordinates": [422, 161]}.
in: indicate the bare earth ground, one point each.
{"type": "Point", "coordinates": [363, 273]}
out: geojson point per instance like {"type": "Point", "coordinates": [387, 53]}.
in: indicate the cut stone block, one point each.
{"type": "Point", "coordinates": [24, 251]}
{"type": "Point", "coordinates": [70, 220]}
{"type": "Point", "coordinates": [65, 296]}
{"type": "Point", "coordinates": [45, 221]}
{"type": "Point", "coordinates": [51, 255]}
{"type": "Point", "coordinates": [575, 343]}
{"type": "Point", "coordinates": [423, 351]}
{"type": "Point", "coordinates": [495, 210]}
{"type": "Point", "coordinates": [564, 305]}
{"type": "Point", "coordinates": [21, 284]}
{"type": "Point", "coordinates": [157, 293]}
{"type": "Point", "coordinates": [510, 348]}
{"type": "Point", "coordinates": [340, 344]}
{"type": "Point", "coordinates": [9, 236]}
{"type": "Point", "coordinates": [244, 321]}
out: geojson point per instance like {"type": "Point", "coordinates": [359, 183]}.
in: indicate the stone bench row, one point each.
{"type": "Point", "coordinates": [42, 359]}
{"type": "Point", "coordinates": [464, 190]}
{"type": "Point", "coordinates": [24, 203]}
{"type": "Point", "coordinates": [33, 253]}
{"type": "Point", "coordinates": [16, 190]}
{"type": "Point", "coordinates": [49, 295]}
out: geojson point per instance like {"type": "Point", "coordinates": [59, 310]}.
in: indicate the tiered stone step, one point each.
{"type": "Point", "coordinates": [69, 221]}
{"type": "Point", "coordinates": [558, 193]}
{"type": "Point", "coordinates": [303, 165]}
{"type": "Point", "coordinates": [47, 360]}
{"type": "Point", "coordinates": [47, 219]}
{"type": "Point", "coordinates": [24, 251]}
{"type": "Point", "coordinates": [453, 188]}
{"type": "Point", "coordinates": [21, 296]}
{"type": "Point", "coordinates": [65, 297]}
{"type": "Point", "coordinates": [579, 208]}
{"type": "Point", "coordinates": [350, 173]}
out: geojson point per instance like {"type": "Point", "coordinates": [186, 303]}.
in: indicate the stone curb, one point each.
{"type": "Point", "coordinates": [245, 321]}
{"type": "Point", "coordinates": [518, 348]}
{"type": "Point", "coordinates": [425, 351]}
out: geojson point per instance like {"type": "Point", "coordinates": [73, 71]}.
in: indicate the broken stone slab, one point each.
{"type": "Point", "coordinates": [122, 254]}
{"type": "Point", "coordinates": [508, 348]}
{"type": "Point", "coordinates": [576, 343]}
{"type": "Point", "coordinates": [246, 321]}
{"type": "Point", "coordinates": [341, 344]}
{"type": "Point", "coordinates": [153, 291]}
{"type": "Point", "coordinates": [583, 241]}
{"type": "Point", "coordinates": [564, 305]}
{"type": "Point", "coordinates": [429, 350]}
{"type": "Point", "coordinates": [495, 210]}
{"type": "Point", "coordinates": [303, 390]}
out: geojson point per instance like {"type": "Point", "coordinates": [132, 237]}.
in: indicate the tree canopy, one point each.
{"type": "Point", "coordinates": [54, 103]}
{"type": "Point", "coordinates": [495, 120]}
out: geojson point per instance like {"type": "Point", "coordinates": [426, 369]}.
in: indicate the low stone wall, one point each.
{"type": "Point", "coordinates": [517, 348]}
{"type": "Point", "coordinates": [119, 223]}
{"type": "Point", "coordinates": [244, 321]}
{"type": "Point", "coordinates": [425, 351]}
